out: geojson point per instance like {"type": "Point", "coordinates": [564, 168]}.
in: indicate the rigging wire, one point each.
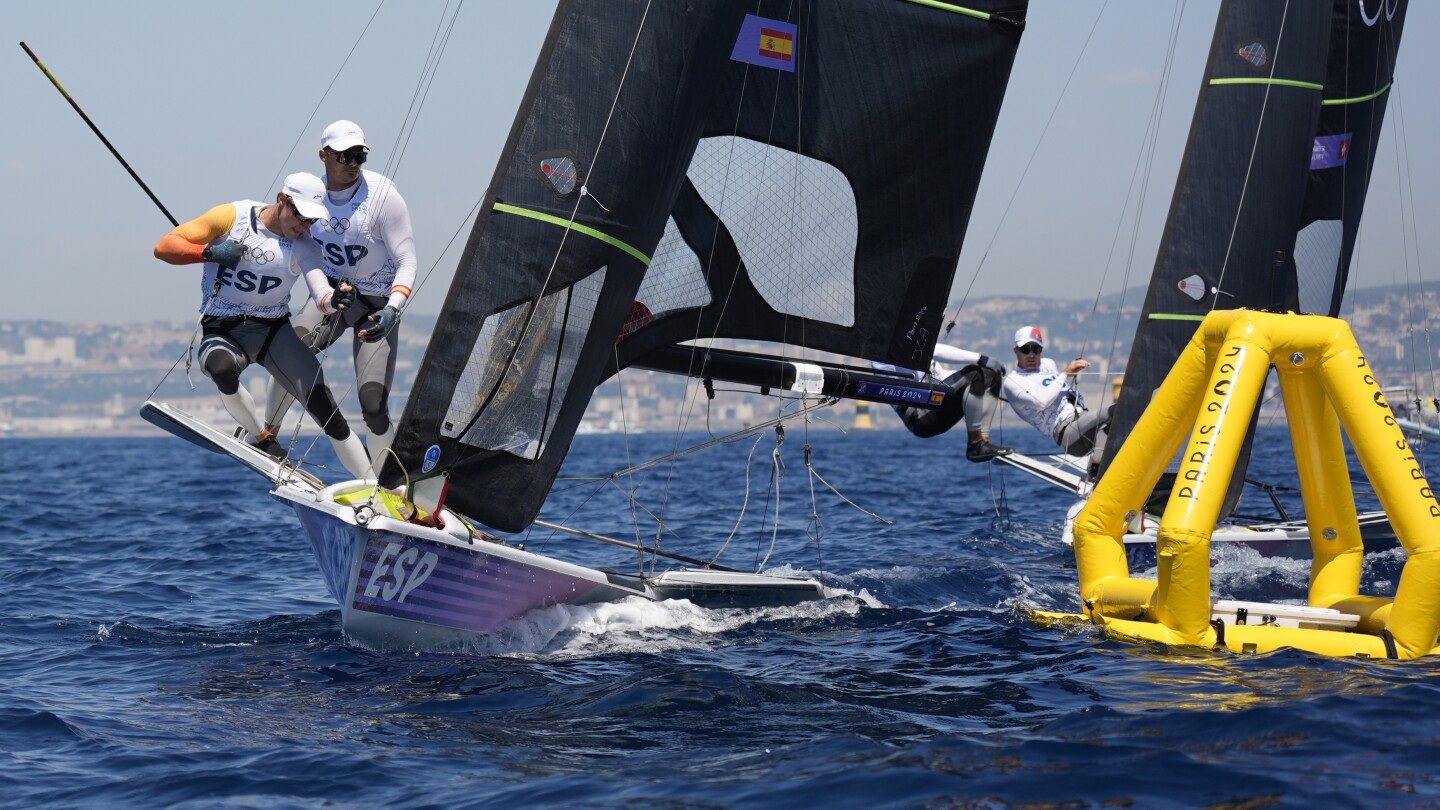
{"type": "Point", "coordinates": [739, 434]}
{"type": "Point", "coordinates": [426, 79]}
{"type": "Point", "coordinates": [777, 471]}
{"type": "Point", "coordinates": [862, 510]}
{"type": "Point", "coordinates": [1250, 165]}
{"type": "Point", "coordinates": [534, 303]}
{"type": "Point", "coordinates": [1411, 240]}
{"type": "Point", "coordinates": [815, 528]}
{"type": "Point", "coordinates": [634, 485]}
{"type": "Point", "coordinates": [305, 128]}
{"type": "Point", "coordinates": [744, 504]}
{"type": "Point", "coordinates": [1015, 192]}
{"type": "Point", "coordinates": [1406, 190]}
{"type": "Point", "coordinates": [1151, 140]}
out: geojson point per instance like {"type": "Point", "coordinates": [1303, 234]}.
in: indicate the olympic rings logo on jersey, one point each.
{"type": "Point", "coordinates": [337, 225]}
{"type": "Point", "coordinates": [261, 257]}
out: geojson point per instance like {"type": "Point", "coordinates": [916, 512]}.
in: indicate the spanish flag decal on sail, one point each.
{"type": "Point", "coordinates": [767, 43]}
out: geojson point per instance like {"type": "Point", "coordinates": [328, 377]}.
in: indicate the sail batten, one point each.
{"type": "Point", "coordinates": [1303, 85]}
{"type": "Point", "coordinates": [578, 227]}
{"type": "Point", "coordinates": [1330, 102]}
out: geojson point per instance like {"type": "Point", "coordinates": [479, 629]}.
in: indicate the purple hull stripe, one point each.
{"type": "Point", "coordinates": [334, 546]}
{"type": "Point", "coordinates": [424, 581]}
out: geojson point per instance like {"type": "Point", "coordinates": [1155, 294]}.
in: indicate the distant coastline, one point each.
{"type": "Point", "coordinates": [87, 379]}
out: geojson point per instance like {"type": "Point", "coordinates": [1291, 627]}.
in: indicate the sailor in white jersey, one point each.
{"type": "Point", "coordinates": [368, 250]}
{"type": "Point", "coordinates": [253, 253]}
{"type": "Point", "coordinates": [1048, 399]}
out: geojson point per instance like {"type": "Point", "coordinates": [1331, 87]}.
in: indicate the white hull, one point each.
{"type": "Point", "coordinates": [1417, 429]}
{"type": "Point", "coordinates": [1279, 539]}
{"type": "Point", "coordinates": [401, 585]}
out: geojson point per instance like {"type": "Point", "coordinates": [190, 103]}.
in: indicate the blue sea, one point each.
{"type": "Point", "coordinates": [167, 641]}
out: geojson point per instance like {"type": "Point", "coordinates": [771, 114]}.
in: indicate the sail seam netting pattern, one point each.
{"type": "Point", "coordinates": [1317, 261]}
{"type": "Point", "coordinates": [773, 193]}
{"type": "Point", "coordinates": [674, 280]}
{"type": "Point", "coordinates": [523, 425]}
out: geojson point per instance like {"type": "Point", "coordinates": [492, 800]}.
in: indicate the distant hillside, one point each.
{"type": "Point", "coordinates": [1103, 330]}
{"type": "Point", "coordinates": [87, 377]}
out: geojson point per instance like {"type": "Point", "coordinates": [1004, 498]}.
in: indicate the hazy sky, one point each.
{"type": "Point", "coordinates": [211, 102]}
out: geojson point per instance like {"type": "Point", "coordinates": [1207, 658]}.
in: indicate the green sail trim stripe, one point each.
{"type": "Point", "coordinates": [1360, 100]}
{"type": "Point", "coordinates": [1280, 82]}
{"type": "Point", "coordinates": [1170, 316]}
{"type": "Point", "coordinates": [574, 226]}
{"type": "Point", "coordinates": [979, 15]}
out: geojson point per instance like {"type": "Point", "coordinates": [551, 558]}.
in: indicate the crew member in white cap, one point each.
{"type": "Point", "coordinates": [253, 253]}
{"type": "Point", "coordinates": [1048, 398]}
{"type": "Point", "coordinates": [368, 250]}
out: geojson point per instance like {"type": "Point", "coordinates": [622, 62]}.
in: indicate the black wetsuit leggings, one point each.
{"type": "Point", "coordinates": [231, 344]}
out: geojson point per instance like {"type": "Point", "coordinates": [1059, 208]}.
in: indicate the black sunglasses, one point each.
{"type": "Point", "coordinates": [295, 212]}
{"type": "Point", "coordinates": [1030, 348]}
{"type": "Point", "coordinates": [358, 156]}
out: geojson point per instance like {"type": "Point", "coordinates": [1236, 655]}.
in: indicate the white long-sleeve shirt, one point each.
{"type": "Point", "coordinates": [368, 239]}
{"type": "Point", "coordinates": [1045, 397]}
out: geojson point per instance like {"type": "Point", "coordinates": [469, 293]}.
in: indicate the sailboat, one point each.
{"type": "Point", "coordinates": [1264, 215]}
{"type": "Point", "coordinates": [1410, 413]}
{"type": "Point", "coordinates": [797, 174]}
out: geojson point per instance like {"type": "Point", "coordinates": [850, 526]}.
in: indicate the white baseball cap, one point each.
{"type": "Point", "coordinates": [308, 193]}
{"type": "Point", "coordinates": [1029, 334]}
{"type": "Point", "coordinates": [342, 135]}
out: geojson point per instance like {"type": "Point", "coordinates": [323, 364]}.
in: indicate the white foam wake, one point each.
{"type": "Point", "coordinates": [637, 625]}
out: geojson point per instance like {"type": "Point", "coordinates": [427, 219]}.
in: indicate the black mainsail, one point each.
{"type": "Point", "coordinates": [1273, 182]}
{"type": "Point", "coordinates": [794, 172]}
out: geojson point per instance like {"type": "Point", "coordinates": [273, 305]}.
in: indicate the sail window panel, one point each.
{"type": "Point", "coordinates": [1317, 258]}
{"type": "Point", "coordinates": [520, 415]}
{"type": "Point", "coordinates": [674, 280]}
{"type": "Point", "coordinates": [794, 220]}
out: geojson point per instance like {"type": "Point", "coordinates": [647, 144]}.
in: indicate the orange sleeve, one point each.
{"type": "Point", "coordinates": [187, 241]}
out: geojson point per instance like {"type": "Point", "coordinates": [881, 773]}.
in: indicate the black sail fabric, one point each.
{"type": "Point", "coordinates": [1364, 41]}
{"type": "Point", "coordinates": [1273, 181]}
{"type": "Point", "coordinates": [797, 172]}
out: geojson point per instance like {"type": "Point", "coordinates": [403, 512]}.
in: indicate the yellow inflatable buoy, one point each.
{"type": "Point", "coordinates": [1213, 391]}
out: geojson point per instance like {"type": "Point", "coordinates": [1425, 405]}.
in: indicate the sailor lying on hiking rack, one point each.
{"type": "Point", "coordinates": [1048, 398]}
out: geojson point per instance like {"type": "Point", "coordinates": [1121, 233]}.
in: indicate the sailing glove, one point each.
{"type": "Point", "coordinates": [227, 254]}
{"type": "Point", "coordinates": [343, 297]}
{"type": "Point", "coordinates": [379, 324]}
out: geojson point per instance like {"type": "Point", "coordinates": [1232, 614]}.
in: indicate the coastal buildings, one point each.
{"type": "Point", "coordinates": [82, 379]}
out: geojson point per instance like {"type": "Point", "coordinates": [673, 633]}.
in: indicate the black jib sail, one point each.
{"type": "Point", "coordinates": [796, 172]}
{"type": "Point", "coordinates": [1273, 181]}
